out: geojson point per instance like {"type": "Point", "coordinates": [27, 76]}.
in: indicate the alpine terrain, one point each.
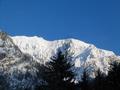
{"type": "Point", "coordinates": [20, 56]}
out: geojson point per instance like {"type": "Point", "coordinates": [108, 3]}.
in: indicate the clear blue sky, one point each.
{"type": "Point", "coordinates": [93, 21]}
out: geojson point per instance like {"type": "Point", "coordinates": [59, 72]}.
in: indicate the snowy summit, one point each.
{"type": "Point", "coordinates": [21, 53]}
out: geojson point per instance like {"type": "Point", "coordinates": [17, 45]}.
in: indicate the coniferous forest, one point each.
{"type": "Point", "coordinates": [58, 75]}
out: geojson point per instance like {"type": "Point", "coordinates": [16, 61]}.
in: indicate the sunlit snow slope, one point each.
{"type": "Point", "coordinates": [84, 55]}
{"type": "Point", "coordinates": [20, 55]}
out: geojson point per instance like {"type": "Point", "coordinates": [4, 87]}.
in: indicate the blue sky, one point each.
{"type": "Point", "coordinates": [92, 21]}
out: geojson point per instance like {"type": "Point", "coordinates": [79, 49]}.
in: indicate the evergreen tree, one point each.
{"type": "Point", "coordinates": [99, 81]}
{"type": "Point", "coordinates": [84, 83]}
{"type": "Point", "coordinates": [109, 82]}
{"type": "Point", "coordinates": [3, 83]}
{"type": "Point", "coordinates": [113, 78]}
{"type": "Point", "coordinates": [58, 74]}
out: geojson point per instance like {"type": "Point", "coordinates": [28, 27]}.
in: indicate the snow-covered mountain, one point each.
{"type": "Point", "coordinates": [20, 54]}
{"type": "Point", "coordinates": [84, 55]}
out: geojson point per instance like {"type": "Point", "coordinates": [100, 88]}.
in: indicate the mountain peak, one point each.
{"type": "Point", "coordinates": [19, 54]}
{"type": "Point", "coordinates": [37, 47]}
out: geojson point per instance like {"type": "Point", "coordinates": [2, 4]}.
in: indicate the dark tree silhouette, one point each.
{"type": "Point", "coordinates": [3, 83]}
{"type": "Point", "coordinates": [99, 81]}
{"type": "Point", "coordinates": [84, 83]}
{"type": "Point", "coordinates": [58, 74]}
{"type": "Point", "coordinates": [113, 78]}
{"type": "Point", "coordinates": [110, 81]}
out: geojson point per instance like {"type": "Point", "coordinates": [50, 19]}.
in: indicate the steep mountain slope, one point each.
{"type": "Point", "coordinates": [40, 48]}
{"type": "Point", "coordinates": [20, 55]}
{"type": "Point", "coordinates": [85, 55]}
{"type": "Point", "coordinates": [14, 64]}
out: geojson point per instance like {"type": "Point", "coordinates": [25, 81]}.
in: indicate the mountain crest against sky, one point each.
{"type": "Point", "coordinates": [23, 53]}
{"type": "Point", "coordinates": [84, 53]}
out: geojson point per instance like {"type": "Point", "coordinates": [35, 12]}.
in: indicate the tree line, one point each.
{"type": "Point", "coordinates": [58, 75]}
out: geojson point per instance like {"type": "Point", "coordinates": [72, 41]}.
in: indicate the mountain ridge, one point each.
{"type": "Point", "coordinates": [83, 52]}
{"type": "Point", "coordinates": [21, 54]}
{"type": "Point", "coordinates": [21, 39]}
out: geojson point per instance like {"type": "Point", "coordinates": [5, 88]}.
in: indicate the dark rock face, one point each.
{"type": "Point", "coordinates": [2, 56]}
{"type": "Point", "coordinates": [3, 35]}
